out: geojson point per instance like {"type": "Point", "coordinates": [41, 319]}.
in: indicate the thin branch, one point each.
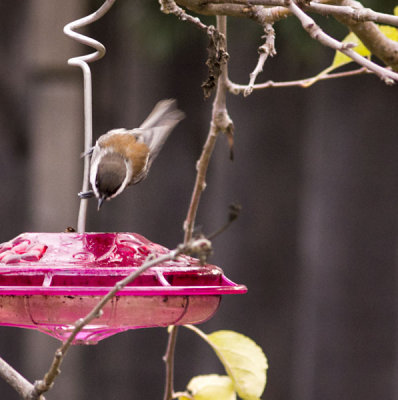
{"type": "Point", "coordinates": [200, 182]}
{"type": "Point", "coordinates": [353, 12]}
{"type": "Point", "coordinates": [217, 77]}
{"type": "Point", "coordinates": [220, 122]}
{"type": "Point", "coordinates": [169, 360]}
{"type": "Point", "coordinates": [49, 378]}
{"type": "Point", "coordinates": [267, 49]}
{"type": "Point", "coordinates": [200, 247]}
{"type": "Point", "coordinates": [348, 12]}
{"type": "Point", "coordinates": [236, 89]}
{"type": "Point", "coordinates": [22, 386]}
{"type": "Point", "coordinates": [388, 76]}
{"type": "Point", "coordinates": [370, 34]}
{"type": "Point", "coordinates": [205, 337]}
{"type": "Point", "coordinates": [240, 8]}
{"type": "Point", "coordinates": [170, 7]}
{"type": "Point", "coordinates": [217, 54]}
{"type": "Point", "coordinates": [268, 3]}
{"type": "Point", "coordinates": [227, 8]}
{"type": "Point", "coordinates": [234, 211]}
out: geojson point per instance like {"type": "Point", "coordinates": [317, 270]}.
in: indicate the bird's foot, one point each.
{"type": "Point", "coordinates": [86, 195]}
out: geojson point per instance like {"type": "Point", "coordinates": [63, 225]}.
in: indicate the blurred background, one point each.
{"type": "Point", "coordinates": [315, 171]}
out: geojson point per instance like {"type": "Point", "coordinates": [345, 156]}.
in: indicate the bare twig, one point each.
{"type": "Point", "coordinates": [206, 339]}
{"type": "Point", "coordinates": [349, 12]}
{"type": "Point", "coordinates": [267, 49]}
{"type": "Point", "coordinates": [217, 57]}
{"type": "Point", "coordinates": [201, 248]}
{"type": "Point", "coordinates": [200, 182]}
{"type": "Point", "coordinates": [16, 380]}
{"type": "Point", "coordinates": [227, 8]}
{"type": "Point", "coordinates": [268, 3]}
{"type": "Point", "coordinates": [217, 54]}
{"type": "Point", "coordinates": [388, 76]}
{"type": "Point", "coordinates": [235, 88]}
{"type": "Point", "coordinates": [234, 211]}
{"type": "Point", "coordinates": [241, 8]}
{"type": "Point", "coordinates": [170, 7]}
{"type": "Point", "coordinates": [356, 13]}
{"type": "Point", "coordinates": [354, 10]}
{"type": "Point", "coordinates": [220, 122]}
{"type": "Point", "coordinates": [169, 360]}
{"type": "Point", "coordinates": [370, 34]}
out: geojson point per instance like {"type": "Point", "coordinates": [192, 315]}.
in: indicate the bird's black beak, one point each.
{"type": "Point", "coordinates": [100, 202]}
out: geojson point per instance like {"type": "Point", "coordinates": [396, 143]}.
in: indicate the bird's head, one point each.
{"type": "Point", "coordinates": [112, 174]}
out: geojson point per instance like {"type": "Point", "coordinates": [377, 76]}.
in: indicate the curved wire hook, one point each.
{"type": "Point", "coordinates": [81, 62]}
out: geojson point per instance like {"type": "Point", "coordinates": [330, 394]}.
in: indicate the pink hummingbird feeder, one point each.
{"type": "Point", "coordinates": [49, 280]}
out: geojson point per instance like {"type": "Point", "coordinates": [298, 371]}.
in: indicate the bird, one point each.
{"type": "Point", "coordinates": [123, 157]}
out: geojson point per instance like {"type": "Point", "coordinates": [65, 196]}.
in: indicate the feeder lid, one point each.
{"type": "Point", "coordinates": [49, 280]}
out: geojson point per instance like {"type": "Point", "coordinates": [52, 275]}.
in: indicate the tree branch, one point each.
{"type": "Point", "coordinates": [349, 12]}
{"type": "Point", "coordinates": [353, 10]}
{"type": "Point", "coordinates": [220, 122]}
{"type": "Point", "coordinates": [169, 360]}
{"type": "Point", "coordinates": [267, 49]}
{"type": "Point", "coordinates": [232, 8]}
{"type": "Point", "coordinates": [171, 7]}
{"type": "Point", "coordinates": [236, 89]}
{"type": "Point", "coordinates": [389, 77]}
{"type": "Point", "coordinates": [371, 36]}
{"type": "Point", "coordinates": [16, 380]}
{"type": "Point", "coordinates": [217, 54]}
{"type": "Point", "coordinates": [240, 8]}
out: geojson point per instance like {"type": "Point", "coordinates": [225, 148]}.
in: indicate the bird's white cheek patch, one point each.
{"type": "Point", "coordinates": [93, 177]}
{"type": "Point", "coordinates": [127, 179]}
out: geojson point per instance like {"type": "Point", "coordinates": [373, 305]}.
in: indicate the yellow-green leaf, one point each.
{"type": "Point", "coordinates": [211, 387]}
{"type": "Point", "coordinates": [390, 32]}
{"type": "Point", "coordinates": [243, 360]}
{"type": "Point", "coordinates": [341, 59]}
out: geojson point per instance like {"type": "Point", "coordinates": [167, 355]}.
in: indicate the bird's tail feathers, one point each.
{"type": "Point", "coordinates": [165, 111]}
{"type": "Point", "coordinates": [159, 124]}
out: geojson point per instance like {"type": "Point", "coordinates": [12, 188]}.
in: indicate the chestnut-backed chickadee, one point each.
{"type": "Point", "coordinates": [123, 157]}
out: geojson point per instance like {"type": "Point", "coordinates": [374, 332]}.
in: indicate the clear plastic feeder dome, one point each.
{"type": "Point", "coordinates": [49, 280]}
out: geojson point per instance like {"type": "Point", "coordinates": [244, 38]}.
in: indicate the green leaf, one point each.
{"type": "Point", "coordinates": [243, 360]}
{"type": "Point", "coordinates": [211, 387]}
